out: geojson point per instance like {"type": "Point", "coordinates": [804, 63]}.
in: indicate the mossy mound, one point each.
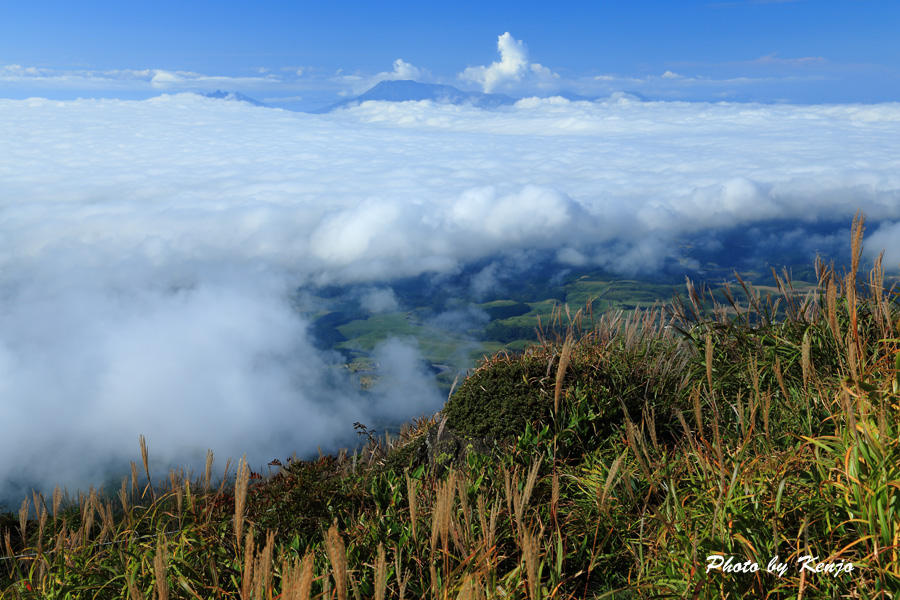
{"type": "Point", "coordinates": [500, 397]}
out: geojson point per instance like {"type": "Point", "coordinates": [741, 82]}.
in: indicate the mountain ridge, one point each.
{"type": "Point", "coordinates": [406, 90]}
{"type": "Point", "coordinates": [233, 97]}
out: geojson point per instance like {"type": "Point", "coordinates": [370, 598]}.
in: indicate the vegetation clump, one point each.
{"type": "Point", "coordinates": [500, 397]}
{"type": "Point", "coordinates": [301, 497]}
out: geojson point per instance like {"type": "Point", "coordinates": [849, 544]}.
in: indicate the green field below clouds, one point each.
{"type": "Point", "coordinates": [503, 323]}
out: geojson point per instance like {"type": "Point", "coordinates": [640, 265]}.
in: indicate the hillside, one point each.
{"type": "Point", "coordinates": [700, 449]}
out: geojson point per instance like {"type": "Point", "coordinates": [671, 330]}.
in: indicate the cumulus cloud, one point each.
{"type": "Point", "coordinates": [531, 215]}
{"type": "Point", "coordinates": [404, 70]}
{"type": "Point", "coordinates": [152, 250]}
{"type": "Point", "coordinates": [513, 68]}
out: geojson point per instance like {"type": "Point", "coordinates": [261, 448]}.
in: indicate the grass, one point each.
{"type": "Point", "coordinates": [760, 427]}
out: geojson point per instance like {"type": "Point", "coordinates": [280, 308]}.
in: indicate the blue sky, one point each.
{"type": "Point", "coordinates": [302, 54]}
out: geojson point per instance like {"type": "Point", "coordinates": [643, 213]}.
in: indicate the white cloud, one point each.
{"type": "Point", "coordinates": [405, 388]}
{"type": "Point", "coordinates": [886, 236]}
{"type": "Point", "coordinates": [514, 68]}
{"type": "Point", "coordinates": [150, 247]}
{"type": "Point", "coordinates": [15, 71]}
{"type": "Point", "coordinates": [531, 216]}
{"type": "Point", "coordinates": [571, 256]}
{"type": "Point", "coordinates": [379, 300]}
{"type": "Point", "coordinates": [404, 70]}
{"type": "Point", "coordinates": [167, 79]}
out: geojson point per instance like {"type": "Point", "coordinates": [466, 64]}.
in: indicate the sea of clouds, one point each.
{"type": "Point", "coordinates": [152, 251]}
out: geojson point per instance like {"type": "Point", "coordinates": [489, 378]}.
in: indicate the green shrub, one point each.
{"type": "Point", "coordinates": [303, 497]}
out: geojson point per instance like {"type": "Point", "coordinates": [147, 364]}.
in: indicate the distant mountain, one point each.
{"type": "Point", "coordinates": [573, 97]}
{"type": "Point", "coordinates": [406, 90]}
{"type": "Point", "coordinates": [234, 97]}
{"type": "Point", "coordinates": [637, 96]}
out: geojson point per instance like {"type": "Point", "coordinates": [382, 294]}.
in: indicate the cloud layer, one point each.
{"type": "Point", "coordinates": [151, 249]}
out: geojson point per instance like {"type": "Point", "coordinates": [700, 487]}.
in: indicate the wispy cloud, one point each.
{"type": "Point", "coordinates": [749, 2]}
{"type": "Point", "coordinates": [766, 61]}
{"type": "Point", "coordinates": [159, 80]}
{"type": "Point", "coordinates": [773, 59]}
